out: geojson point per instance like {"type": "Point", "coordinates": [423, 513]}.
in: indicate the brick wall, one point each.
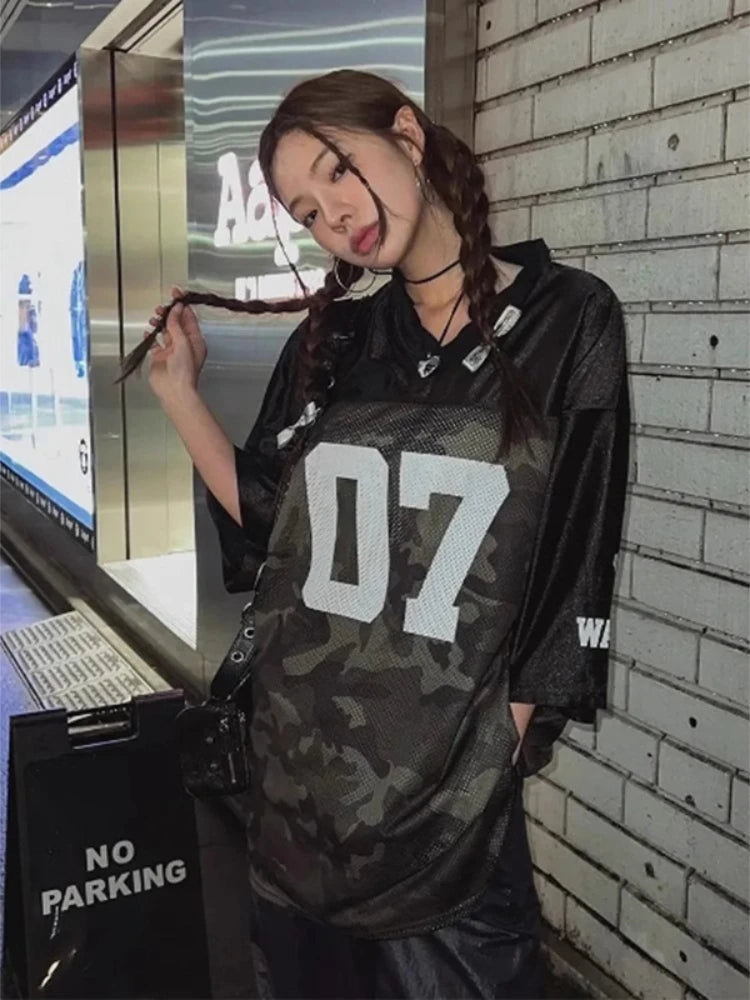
{"type": "Point", "coordinates": [618, 131]}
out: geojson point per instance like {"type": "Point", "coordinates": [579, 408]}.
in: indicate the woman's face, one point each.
{"type": "Point", "coordinates": [334, 204]}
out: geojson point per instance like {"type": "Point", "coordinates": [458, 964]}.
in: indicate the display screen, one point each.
{"type": "Point", "coordinates": [45, 432]}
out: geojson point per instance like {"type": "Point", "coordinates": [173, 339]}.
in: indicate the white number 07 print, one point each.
{"type": "Point", "coordinates": [482, 487]}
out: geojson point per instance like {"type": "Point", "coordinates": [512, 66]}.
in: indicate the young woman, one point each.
{"type": "Point", "coordinates": [434, 488]}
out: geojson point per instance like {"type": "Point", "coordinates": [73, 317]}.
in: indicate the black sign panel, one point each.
{"type": "Point", "coordinates": [103, 888]}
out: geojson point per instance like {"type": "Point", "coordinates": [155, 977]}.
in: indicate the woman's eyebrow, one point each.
{"type": "Point", "coordinates": [313, 168]}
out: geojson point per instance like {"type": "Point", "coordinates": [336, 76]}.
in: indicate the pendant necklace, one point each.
{"type": "Point", "coordinates": [428, 365]}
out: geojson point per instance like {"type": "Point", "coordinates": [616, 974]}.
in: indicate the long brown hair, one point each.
{"type": "Point", "coordinates": [356, 101]}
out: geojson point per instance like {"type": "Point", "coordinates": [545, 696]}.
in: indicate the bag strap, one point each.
{"type": "Point", "coordinates": [234, 669]}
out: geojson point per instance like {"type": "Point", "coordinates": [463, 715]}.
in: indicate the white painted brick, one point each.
{"type": "Point", "coordinates": [724, 670]}
{"type": "Point", "coordinates": [719, 920]}
{"type": "Point", "coordinates": [539, 57]}
{"type": "Point", "coordinates": [635, 325]}
{"type": "Point", "coordinates": [727, 541]}
{"type": "Point", "coordinates": [614, 954]}
{"type": "Point", "coordinates": [512, 226]}
{"type": "Point", "coordinates": [718, 858]}
{"type": "Point", "coordinates": [741, 7]}
{"type": "Point", "coordinates": [678, 952]}
{"type": "Point", "coordinates": [588, 779]}
{"type": "Point", "coordinates": [697, 207]}
{"type": "Point", "coordinates": [599, 96]}
{"type": "Point", "coordinates": [554, 8]}
{"type": "Point", "coordinates": [659, 878]}
{"type": "Point", "coordinates": [663, 525]}
{"type": "Point", "coordinates": [545, 802]}
{"type": "Point", "coordinates": [631, 747]}
{"type": "Point", "coordinates": [585, 221]}
{"type": "Point", "coordinates": [700, 597]}
{"type": "Point", "coordinates": [729, 411]}
{"type": "Point", "coordinates": [695, 722]}
{"type": "Point", "coordinates": [581, 733]}
{"type": "Point", "coordinates": [694, 70]}
{"type": "Point", "coordinates": [738, 130]}
{"type": "Point", "coordinates": [741, 805]}
{"type": "Point", "coordinates": [669, 144]}
{"type": "Point", "coordinates": [536, 171]}
{"type": "Point", "coordinates": [618, 685]}
{"type": "Point", "coordinates": [631, 25]}
{"type": "Point", "coordinates": [685, 339]}
{"type": "Point", "coordinates": [573, 872]}
{"type": "Point", "coordinates": [552, 901]}
{"type": "Point", "coordinates": [699, 470]}
{"type": "Point", "coordinates": [691, 779]}
{"type": "Point", "coordinates": [656, 643]}
{"type": "Point", "coordinates": [652, 275]}
{"type": "Point", "coordinates": [676, 403]}
{"type": "Point", "coordinates": [624, 573]}
{"type": "Point", "coordinates": [734, 272]}
{"type": "Point", "coordinates": [505, 125]}
{"type": "Point", "coordinates": [502, 19]}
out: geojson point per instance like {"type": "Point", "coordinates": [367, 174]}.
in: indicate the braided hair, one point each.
{"type": "Point", "coordinates": [362, 102]}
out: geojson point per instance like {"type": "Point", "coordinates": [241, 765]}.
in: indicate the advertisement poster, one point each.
{"type": "Point", "coordinates": [45, 434]}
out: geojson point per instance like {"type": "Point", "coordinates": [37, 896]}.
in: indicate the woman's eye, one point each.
{"type": "Point", "coordinates": [340, 169]}
{"type": "Point", "coordinates": [308, 219]}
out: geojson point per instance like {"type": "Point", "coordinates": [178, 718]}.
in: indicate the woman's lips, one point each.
{"type": "Point", "coordinates": [365, 240]}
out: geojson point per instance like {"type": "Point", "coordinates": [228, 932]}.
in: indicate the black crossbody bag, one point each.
{"type": "Point", "coordinates": [212, 737]}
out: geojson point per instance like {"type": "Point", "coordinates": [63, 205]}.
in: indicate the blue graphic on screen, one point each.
{"type": "Point", "coordinates": [28, 348]}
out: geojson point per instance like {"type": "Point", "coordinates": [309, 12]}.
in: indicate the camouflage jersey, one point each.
{"type": "Point", "coordinates": [418, 578]}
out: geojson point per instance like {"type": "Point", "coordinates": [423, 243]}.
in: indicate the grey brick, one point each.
{"type": "Point", "coordinates": [719, 920]}
{"type": "Point", "coordinates": [585, 221]}
{"type": "Point", "coordinates": [724, 670]}
{"type": "Point", "coordinates": [717, 731]}
{"type": "Point", "coordinates": [661, 524]}
{"type": "Point", "coordinates": [734, 271]}
{"type": "Point", "coordinates": [695, 781]}
{"type": "Point", "coordinates": [686, 339]}
{"type": "Point", "coordinates": [702, 598]}
{"type": "Point", "coordinates": [631, 747]}
{"type": "Point", "coordinates": [512, 226]}
{"type": "Point", "coordinates": [656, 643]}
{"type": "Point", "coordinates": [573, 872]}
{"type": "Point", "coordinates": [624, 27]}
{"type": "Point", "coordinates": [653, 275]}
{"type": "Point", "coordinates": [673, 402]}
{"type": "Point", "coordinates": [694, 70]}
{"type": "Point", "coordinates": [741, 805]}
{"type": "Point", "coordinates": [667, 144]}
{"type": "Point", "coordinates": [506, 125]}
{"type": "Point", "coordinates": [738, 130]}
{"type": "Point", "coordinates": [597, 97]}
{"type": "Point", "coordinates": [501, 19]}
{"type": "Point", "coordinates": [699, 206]}
{"type": "Point", "coordinates": [609, 950]}
{"type": "Point", "coordinates": [536, 171]}
{"type": "Point", "coordinates": [590, 780]}
{"type": "Point", "coordinates": [617, 695]}
{"type": "Point", "coordinates": [727, 541]}
{"type": "Point", "coordinates": [677, 951]}
{"type": "Point", "coordinates": [554, 8]}
{"type": "Point", "coordinates": [552, 901]}
{"type": "Point", "coordinates": [545, 802]}
{"type": "Point", "coordinates": [659, 878]}
{"type": "Point", "coordinates": [730, 413]}
{"type": "Point", "coordinates": [541, 56]}
{"type": "Point", "coordinates": [699, 470]}
{"type": "Point", "coordinates": [718, 858]}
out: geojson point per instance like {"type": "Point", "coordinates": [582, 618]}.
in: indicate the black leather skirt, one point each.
{"type": "Point", "coordinates": [491, 953]}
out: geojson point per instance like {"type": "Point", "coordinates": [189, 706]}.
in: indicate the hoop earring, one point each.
{"type": "Point", "coordinates": [350, 289]}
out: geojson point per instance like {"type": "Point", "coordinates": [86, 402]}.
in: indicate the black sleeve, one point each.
{"type": "Point", "coordinates": [559, 652]}
{"type": "Point", "coordinates": [260, 465]}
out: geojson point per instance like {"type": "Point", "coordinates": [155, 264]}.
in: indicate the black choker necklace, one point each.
{"type": "Point", "coordinates": [423, 281]}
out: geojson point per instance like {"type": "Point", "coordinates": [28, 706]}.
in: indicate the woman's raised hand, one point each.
{"type": "Point", "coordinates": [177, 361]}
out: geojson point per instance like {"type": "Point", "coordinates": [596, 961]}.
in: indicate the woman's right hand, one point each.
{"type": "Point", "coordinates": [176, 363]}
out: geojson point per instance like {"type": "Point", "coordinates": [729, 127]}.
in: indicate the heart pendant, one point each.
{"type": "Point", "coordinates": [428, 366]}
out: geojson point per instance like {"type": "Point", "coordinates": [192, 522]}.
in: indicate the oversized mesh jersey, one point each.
{"type": "Point", "coordinates": [418, 579]}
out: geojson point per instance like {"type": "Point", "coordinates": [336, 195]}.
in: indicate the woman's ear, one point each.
{"type": "Point", "coordinates": [406, 127]}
